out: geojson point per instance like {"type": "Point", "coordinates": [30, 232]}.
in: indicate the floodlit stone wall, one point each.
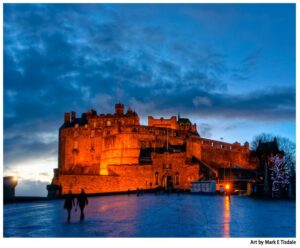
{"type": "Point", "coordinates": [113, 152]}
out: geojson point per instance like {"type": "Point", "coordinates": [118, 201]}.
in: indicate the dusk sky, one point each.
{"type": "Point", "coordinates": [229, 68]}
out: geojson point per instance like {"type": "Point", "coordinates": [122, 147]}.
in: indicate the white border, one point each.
{"type": "Point", "coordinates": [142, 242]}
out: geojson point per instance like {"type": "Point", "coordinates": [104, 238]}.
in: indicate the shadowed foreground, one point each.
{"type": "Point", "coordinates": [154, 216]}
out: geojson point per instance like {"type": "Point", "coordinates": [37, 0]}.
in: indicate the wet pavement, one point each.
{"type": "Point", "coordinates": [185, 215]}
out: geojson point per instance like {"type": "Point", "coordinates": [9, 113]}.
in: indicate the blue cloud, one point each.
{"type": "Point", "coordinates": [167, 58]}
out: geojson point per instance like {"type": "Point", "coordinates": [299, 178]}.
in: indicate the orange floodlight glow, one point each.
{"type": "Point", "coordinates": [227, 186]}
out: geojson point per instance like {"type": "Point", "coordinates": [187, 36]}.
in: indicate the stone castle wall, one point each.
{"type": "Point", "coordinates": [122, 178]}
{"type": "Point", "coordinates": [221, 154]}
{"type": "Point", "coordinates": [113, 152]}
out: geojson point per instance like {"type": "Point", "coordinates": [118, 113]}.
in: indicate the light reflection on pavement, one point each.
{"type": "Point", "coordinates": [185, 215]}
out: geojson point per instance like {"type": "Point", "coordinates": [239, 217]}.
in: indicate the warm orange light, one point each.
{"type": "Point", "coordinates": [227, 186]}
{"type": "Point", "coordinates": [227, 217]}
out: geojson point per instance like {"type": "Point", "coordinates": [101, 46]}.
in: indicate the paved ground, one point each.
{"type": "Point", "coordinates": [155, 216]}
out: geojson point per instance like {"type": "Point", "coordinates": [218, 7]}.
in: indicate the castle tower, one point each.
{"type": "Point", "coordinates": [67, 117]}
{"type": "Point", "coordinates": [119, 109]}
{"type": "Point", "coordinates": [9, 184]}
{"type": "Point", "coordinates": [73, 116]}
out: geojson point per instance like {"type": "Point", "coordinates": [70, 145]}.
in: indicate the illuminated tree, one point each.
{"type": "Point", "coordinates": [284, 144]}
{"type": "Point", "coordinates": [280, 175]}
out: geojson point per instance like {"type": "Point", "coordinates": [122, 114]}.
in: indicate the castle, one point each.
{"type": "Point", "coordinates": [115, 153]}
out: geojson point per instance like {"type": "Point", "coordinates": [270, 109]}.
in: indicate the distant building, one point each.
{"type": "Point", "coordinates": [203, 187]}
{"type": "Point", "coordinates": [113, 153]}
{"type": "Point", "coordinates": [9, 184]}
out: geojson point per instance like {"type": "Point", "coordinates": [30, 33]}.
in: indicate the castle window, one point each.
{"type": "Point", "coordinates": [222, 146]}
{"type": "Point", "coordinates": [156, 178]}
{"type": "Point", "coordinates": [108, 123]}
{"type": "Point", "coordinates": [177, 178]}
{"type": "Point", "coordinates": [92, 148]}
{"type": "Point", "coordinates": [92, 133]}
{"type": "Point", "coordinates": [229, 147]}
{"type": "Point", "coordinates": [212, 144]}
{"type": "Point", "coordinates": [75, 149]}
{"type": "Point", "coordinates": [94, 124]}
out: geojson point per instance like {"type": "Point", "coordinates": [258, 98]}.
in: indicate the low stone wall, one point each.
{"type": "Point", "coordinates": [100, 184]}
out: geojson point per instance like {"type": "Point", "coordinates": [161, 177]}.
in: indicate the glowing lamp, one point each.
{"type": "Point", "coordinates": [227, 186]}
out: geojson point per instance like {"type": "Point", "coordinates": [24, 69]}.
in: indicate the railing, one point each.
{"type": "Point", "coordinates": [233, 179]}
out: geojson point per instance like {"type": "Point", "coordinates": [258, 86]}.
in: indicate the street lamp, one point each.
{"type": "Point", "coordinates": [227, 186]}
{"type": "Point", "coordinates": [227, 189]}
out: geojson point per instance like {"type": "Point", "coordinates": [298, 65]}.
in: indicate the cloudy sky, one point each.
{"type": "Point", "coordinates": [229, 68]}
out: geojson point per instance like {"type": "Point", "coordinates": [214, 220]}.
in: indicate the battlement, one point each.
{"type": "Point", "coordinates": [214, 144]}
{"type": "Point", "coordinates": [91, 119]}
{"type": "Point", "coordinates": [164, 123]}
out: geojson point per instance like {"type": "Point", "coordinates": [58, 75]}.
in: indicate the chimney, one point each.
{"type": "Point", "coordinates": [119, 109]}
{"type": "Point", "coordinates": [67, 117]}
{"type": "Point", "coordinates": [73, 116]}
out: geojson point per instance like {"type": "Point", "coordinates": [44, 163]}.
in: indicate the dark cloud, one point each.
{"type": "Point", "coordinates": [23, 149]}
{"type": "Point", "coordinates": [31, 188]}
{"type": "Point", "coordinates": [59, 58]}
{"type": "Point", "coordinates": [205, 130]}
{"type": "Point", "coordinates": [246, 68]}
{"type": "Point", "coordinates": [267, 105]}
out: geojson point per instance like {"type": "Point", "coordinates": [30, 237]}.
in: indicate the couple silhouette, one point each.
{"type": "Point", "coordinates": [82, 201]}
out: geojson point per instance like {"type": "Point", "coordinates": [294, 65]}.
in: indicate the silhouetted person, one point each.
{"type": "Point", "coordinates": [137, 192]}
{"type": "Point", "coordinates": [128, 192]}
{"type": "Point", "coordinates": [69, 203]}
{"type": "Point", "coordinates": [82, 201]}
